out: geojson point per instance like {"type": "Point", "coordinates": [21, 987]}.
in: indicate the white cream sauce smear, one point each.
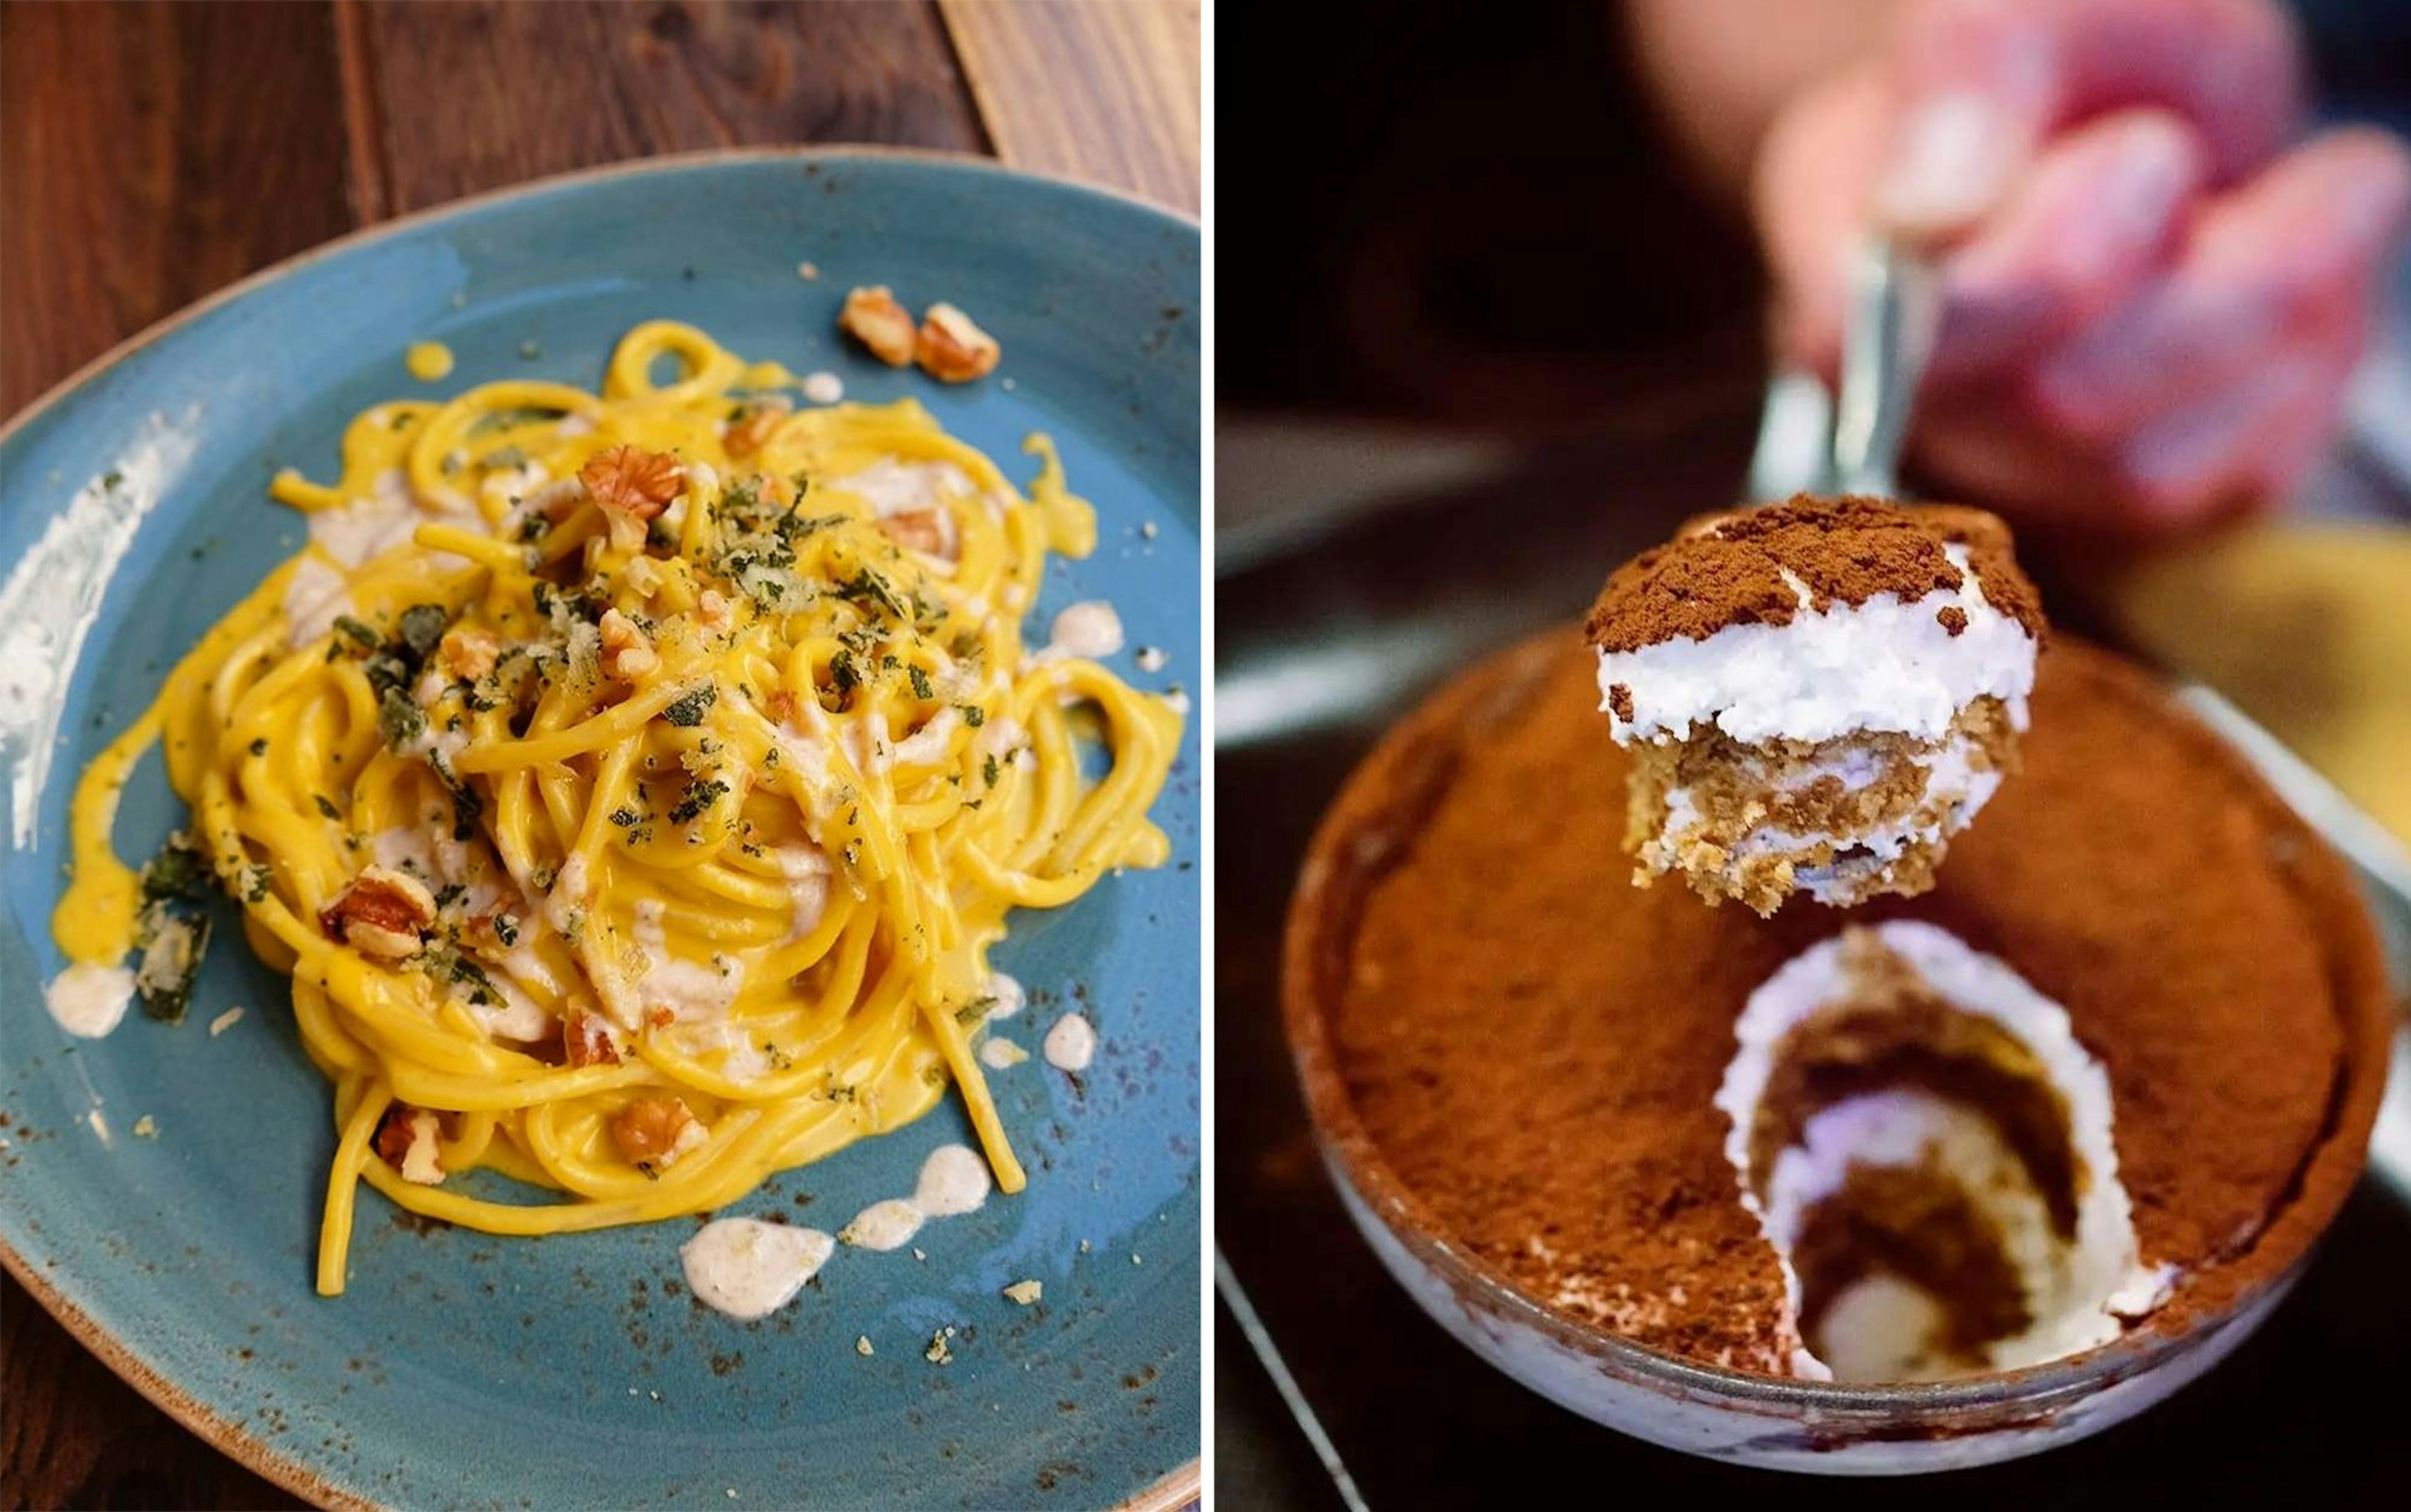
{"type": "Point", "coordinates": [1072, 1044]}
{"type": "Point", "coordinates": [748, 1269]}
{"type": "Point", "coordinates": [954, 1180]}
{"type": "Point", "coordinates": [89, 1000]}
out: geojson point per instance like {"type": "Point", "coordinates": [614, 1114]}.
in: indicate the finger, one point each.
{"type": "Point", "coordinates": [2251, 442]}
{"type": "Point", "coordinates": [2243, 447]}
{"type": "Point", "coordinates": [1811, 181]}
{"type": "Point", "coordinates": [2096, 214]}
{"type": "Point", "coordinates": [1978, 85]}
{"type": "Point", "coordinates": [2293, 252]}
{"type": "Point", "coordinates": [1972, 454]}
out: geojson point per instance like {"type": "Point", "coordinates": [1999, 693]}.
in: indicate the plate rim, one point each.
{"type": "Point", "coordinates": [1178, 1486]}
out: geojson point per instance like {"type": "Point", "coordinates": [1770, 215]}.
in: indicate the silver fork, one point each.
{"type": "Point", "coordinates": [1808, 442]}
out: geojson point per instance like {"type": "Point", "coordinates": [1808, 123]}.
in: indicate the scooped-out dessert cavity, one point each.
{"type": "Point", "coordinates": [1929, 1151]}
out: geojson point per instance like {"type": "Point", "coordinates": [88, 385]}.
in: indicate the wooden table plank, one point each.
{"type": "Point", "coordinates": [140, 171]}
{"type": "Point", "coordinates": [467, 96]}
{"type": "Point", "coordinates": [1102, 90]}
{"type": "Point", "coordinates": [74, 1435]}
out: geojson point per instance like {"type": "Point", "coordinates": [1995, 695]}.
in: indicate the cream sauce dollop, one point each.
{"type": "Point", "coordinates": [748, 1269]}
{"type": "Point", "coordinates": [954, 1180]}
{"type": "Point", "coordinates": [1072, 1044]}
{"type": "Point", "coordinates": [89, 1000]}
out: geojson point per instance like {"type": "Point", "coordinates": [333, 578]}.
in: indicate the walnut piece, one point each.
{"type": "Point", "coordinates": [630, 478]}
{"type": "Point", "coordinates": [873, 317]}
{"type": "Point", "coordinates": [921, 530]}
{"type": "Point", "coordinates": [406, 1139]}
{"type": "Point", "coordinates": [749, 435]}
{"type": "Point", "coordinates": [585, 1039]}
{"type": "Point", "coordinates": [467, 655]}
{"type": "Point", "coordinates": [656, 1131]}
{"type": "Point", "coordinates": [382, 912]}
{"type": "Point", "coordinates": [627, 653]}
{"type": "Point", "coordinates": [644, 574]}
{"type": "Point", "coordinates": [953, 350]}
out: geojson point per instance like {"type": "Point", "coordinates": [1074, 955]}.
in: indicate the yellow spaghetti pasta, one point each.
{"type": "Point", "coordinates": [633, 785]}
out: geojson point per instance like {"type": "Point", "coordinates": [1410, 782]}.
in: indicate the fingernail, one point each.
{"type": "Point", "coordinates": [2152, 177]}
{"type": "Point", "coordinates": [1950, 160]}
{"type": "Point", "coordinates": [2377, 201]}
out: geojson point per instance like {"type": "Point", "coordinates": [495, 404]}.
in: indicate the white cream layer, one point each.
{"type": "Point", "coordinates": [1883, 665]}
{"type": "Point", "coordinates": [2078, 1293]}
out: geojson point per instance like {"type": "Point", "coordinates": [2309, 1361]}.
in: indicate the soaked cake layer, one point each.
{"type": "Point", "coordinates": [1839, 820]}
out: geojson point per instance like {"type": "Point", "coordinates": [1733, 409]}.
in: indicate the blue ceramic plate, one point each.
{"type": "Point", "coordinates": [464, 1369]}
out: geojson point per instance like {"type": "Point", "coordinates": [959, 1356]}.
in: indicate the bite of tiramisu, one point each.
{"type": "Point", "coordinates": [1816, 694]}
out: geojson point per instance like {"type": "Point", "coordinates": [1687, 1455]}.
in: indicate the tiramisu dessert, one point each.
{"type": "Point", "coordinates": [1817, 695]}
{"type": "Point", "coordinates": [2111, 1074]}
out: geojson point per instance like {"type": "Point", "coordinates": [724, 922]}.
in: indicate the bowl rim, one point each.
{"type": "Point", "coordinates": [1966, 1405]}
{"type": "Point", "coordinates": [1178, 1486]}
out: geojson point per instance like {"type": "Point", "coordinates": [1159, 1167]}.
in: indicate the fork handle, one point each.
{"type": "Point", "coordinates": [1809, 444]}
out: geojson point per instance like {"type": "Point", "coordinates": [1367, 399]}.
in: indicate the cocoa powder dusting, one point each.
{"type": "Point", "coordinates": [1531, 1045]}
{"type": "Point", "coordinates": [1727, 569]}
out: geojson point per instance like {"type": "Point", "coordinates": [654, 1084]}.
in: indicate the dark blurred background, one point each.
{"type": "Point", "coordinates": [1457, 213]}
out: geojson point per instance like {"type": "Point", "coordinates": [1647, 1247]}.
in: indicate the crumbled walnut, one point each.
{"type": "Point", "coordinates": [555, 501]}
{"type": "Point", "coordinates": [627, 654]}
{"type": "Point", "coordinates": [382, 912]}
{"type": "Point", "coordinates": [750, 434]}
{"type": "Point", "coordinates": [630, 478]}
{"type": "Point", "coordinates": [920, 530]}
{"type": "Point", "coordinates": [493, 932]}
{"type": "Point", "coordinates": [953, 350]}
{"type": "Point", "coordinates": [466, 654]}
{"type": "Point", "coordinates": [406, 1139]}
{"type": "Point", "coordinates": [645, 576]}
{"type": "Point", "coordinates": [656, 1131]}
{"type": "Point", "coordinates": [873, 317]}
{"type": "Point", "coordinates": [587, 1039]}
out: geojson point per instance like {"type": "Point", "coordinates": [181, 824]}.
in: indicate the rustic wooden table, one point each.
{"type": "Point", "coordinates": [151, 153]}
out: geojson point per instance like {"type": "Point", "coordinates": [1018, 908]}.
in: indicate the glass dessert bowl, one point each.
{"type": "Point", "coordinates": [1524, 1073]}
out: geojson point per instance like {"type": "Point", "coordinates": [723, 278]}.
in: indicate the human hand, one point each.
{"type": "Point", "coordinates": [2151, 302]}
